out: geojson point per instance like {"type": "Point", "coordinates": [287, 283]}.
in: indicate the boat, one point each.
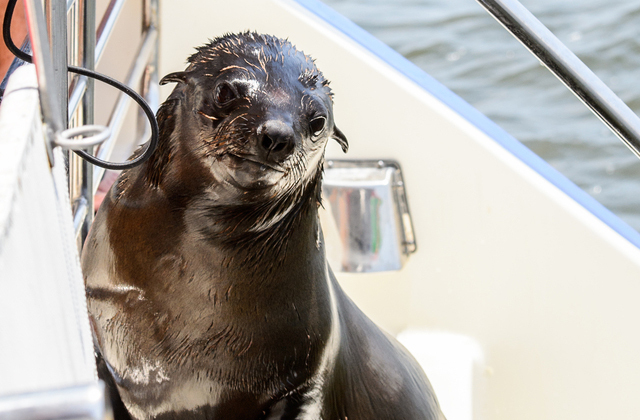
{"type": "Point", "coordinates": [518, 292]}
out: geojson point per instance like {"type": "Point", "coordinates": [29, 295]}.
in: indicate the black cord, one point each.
{"type": "Point", "coordinates": [153, 142]}
{"type": "Point", "coordinates": [6, 33]}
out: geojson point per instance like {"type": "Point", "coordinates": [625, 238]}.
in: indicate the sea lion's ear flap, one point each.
{"type": "Point", "coordinates": [340, 138]}
{"type": "Point", "coordinates": [177, 77]}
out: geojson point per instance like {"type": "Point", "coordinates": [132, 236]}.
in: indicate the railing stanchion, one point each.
{"type": "Point", "coordinates": [568, 68]}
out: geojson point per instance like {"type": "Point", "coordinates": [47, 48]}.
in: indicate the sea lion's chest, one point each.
{"type": "Point", "coordinates": [200, 337]}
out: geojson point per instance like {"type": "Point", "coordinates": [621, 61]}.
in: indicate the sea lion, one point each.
{"type": "Point", "coordinates": [207, 283]}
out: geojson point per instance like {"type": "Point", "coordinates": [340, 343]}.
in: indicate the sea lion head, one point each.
{"type": "Point", "coordinates": [257, 112]}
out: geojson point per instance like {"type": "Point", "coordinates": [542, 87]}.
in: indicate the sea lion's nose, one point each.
{"type": "Point", "coordinates": [277, 139]}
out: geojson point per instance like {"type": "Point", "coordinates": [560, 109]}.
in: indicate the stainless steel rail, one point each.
{"type": "Point", "coordinates": [56, 14]}
{"type": "Point", "coordinates": [80, 214]}
{"type": "Point", "coordinates": [568, 68]}
{"type": "Point", "coordinates": [76, 95]}
{"type": "Point", "coordinates": [44, 70]}
{"type": "Point", "coordinates": [79, 27]}
{"type": "Point", "coordinates": [138, 75]}
{"type": "Point", "coordinates": [105, 29]}
{"type": "Point", "coordinates": [136, 72]}
{"type": "Point", "coordinates": [104, 32]}
{"type": "Point", "coordinates": [88, 61]}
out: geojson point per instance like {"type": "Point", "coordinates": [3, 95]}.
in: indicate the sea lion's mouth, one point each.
{"type": "Point", "coordinates": [256, 161]}
{"type": "Point", "coordinates": [251, 173]}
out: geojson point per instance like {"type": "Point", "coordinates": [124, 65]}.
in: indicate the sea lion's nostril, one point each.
{"type": "Point", "coordinates": [277, 139]}
{"type": "Point", "coordinates": [267, 142]}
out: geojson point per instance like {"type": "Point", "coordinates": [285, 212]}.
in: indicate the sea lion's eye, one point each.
{"type": "Point", "coordinates": [225, 94]}
{"type": "Point", "coordinates": [317, 125]}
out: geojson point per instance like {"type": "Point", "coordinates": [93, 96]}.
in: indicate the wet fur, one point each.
{"type": "Point", "coordinates": [214, 300]}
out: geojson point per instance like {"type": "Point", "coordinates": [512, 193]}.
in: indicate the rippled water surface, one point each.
{"type": "Point", "coordinates": [461, 45]}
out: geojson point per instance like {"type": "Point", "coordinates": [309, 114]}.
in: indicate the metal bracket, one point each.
{"type": "Point", "coordinates": [95, 134]}
{"type": "Point", "coordinates": [369, 206]}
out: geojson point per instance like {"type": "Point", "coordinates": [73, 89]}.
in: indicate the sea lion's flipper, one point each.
{"type": "Point", "coordinates": [177, 77]}
{"type": "Point", "coordinates": [340, 138]}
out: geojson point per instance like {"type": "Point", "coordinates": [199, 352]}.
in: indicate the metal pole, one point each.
{"type": "Point", "coordinates": [75, 163]}
{"type": "Point", "coordinates": [56, 16]}
{"type": "Point", "coordinates": [107, 24]}
{"type": "Point", "coordinates": [103, 31]}
{"type": "Point", "coordinates": [88, 37]}
{"type": "Point", "coordinates": [49, 105]}
{"type": "Point", "coordinates": [568, 68]}
{"type": "Point", "coordinates": [118, 115]}
{"type": "Point", "coordinates": [151, 21]}
{"type": "Point", "coordinates": [149, 86]}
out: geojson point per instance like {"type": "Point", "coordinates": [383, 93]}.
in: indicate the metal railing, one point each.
{"type": "Point", "coordinates": [71, 35]}
{"type": "Point", "coordinates": [66, 31]}
{"type": "Point", "coordinates": [568, 68]}
{"type": "Point", "coordinates": [104, 32]}
{"type": "Point", "coordinates": [86, 47]}
{"type": "Point", "coordinates": [80, 16]}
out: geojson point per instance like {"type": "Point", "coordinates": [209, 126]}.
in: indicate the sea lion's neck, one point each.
{"type": "Point", "coordinates": [260, 235]}
{"type": "Point", "coordinates": [258, 273]}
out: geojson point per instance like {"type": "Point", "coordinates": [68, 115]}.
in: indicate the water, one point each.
{"type": "Point", "coordinates": [462, 46]}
